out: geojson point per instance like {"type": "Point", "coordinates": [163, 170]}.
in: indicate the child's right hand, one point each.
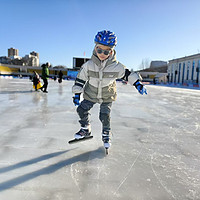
{"type": "Point", "coordinates": [76, 99]}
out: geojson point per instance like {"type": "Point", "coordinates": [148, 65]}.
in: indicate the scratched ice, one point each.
{"type": "Point", "coordinates": [155, 151]}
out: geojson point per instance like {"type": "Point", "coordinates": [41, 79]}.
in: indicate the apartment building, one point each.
{"type": "Point", "coordinates": [13, 52]}
{"type": "Point", "coordinates": [184, 70]}
{"type": "Point", "coordinates": [31, 59]}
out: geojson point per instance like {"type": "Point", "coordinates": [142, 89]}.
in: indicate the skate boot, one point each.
{"type": "Point", "coordinates": [106, 138]}
{"type": "Point", "coordinates": [85, 131]}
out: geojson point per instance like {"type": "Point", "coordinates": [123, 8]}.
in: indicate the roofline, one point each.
{"type": "Point", "coordinates": [190, 56]}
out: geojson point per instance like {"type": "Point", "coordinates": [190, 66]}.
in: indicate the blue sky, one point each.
{"type": "Point", "coordinates": [62, 29]}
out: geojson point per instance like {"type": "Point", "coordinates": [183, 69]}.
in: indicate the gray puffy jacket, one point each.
{"type": "Point", "coordinates": [97, 79]}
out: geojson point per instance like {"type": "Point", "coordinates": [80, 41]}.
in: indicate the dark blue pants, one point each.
{"type": "Point", "coordinates": [104, 114]}
{"type": "Point", "coordinates": [45, 84]}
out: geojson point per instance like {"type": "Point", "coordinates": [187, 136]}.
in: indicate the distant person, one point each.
{"type": "Point", "coordinates": [97, 81]}
{"type": "Point", "coordinates": [60, 76]}
{"type": "Point", "coordinates": [45, 76]}
{"type": "Point", "coordinates": [167, 78]}
{"type": "Point", "coordinates": [36, 81]}
{"type": "Point", "coordinates": [154, 81]}
{"type": "Point", "coordinates": [55, 76]}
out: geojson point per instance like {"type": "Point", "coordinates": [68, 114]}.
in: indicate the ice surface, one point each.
{"type": "Point", "coordinates": [155, 152]}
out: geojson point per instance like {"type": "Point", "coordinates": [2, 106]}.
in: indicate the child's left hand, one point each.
{"type": "Point", "coordinates": [140, 87]}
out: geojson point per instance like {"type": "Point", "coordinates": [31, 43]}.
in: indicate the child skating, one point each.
{"type": "Point", "coordinates": [97, 81]}
{"type": "Point", "coordinates": [36, 81]}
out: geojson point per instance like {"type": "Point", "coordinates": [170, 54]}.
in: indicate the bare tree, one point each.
{"type": "Point", "coordinates": [60, 67]}
{"type": "Point", "coordinates": [145, 63]}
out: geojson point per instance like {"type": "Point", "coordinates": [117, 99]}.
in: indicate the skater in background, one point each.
{"type": "Point", "coordinates": [60, 76]}
{"type": "Point", "coordinates": [97, 81]}
{"type": "Point", "coordinates": [45, 76]}
{"type": "Point", "coordinates": [55, 76]}
{"type": "Point", "coordinates": [36, 81]}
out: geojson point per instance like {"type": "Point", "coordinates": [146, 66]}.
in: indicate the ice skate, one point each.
{"type": "Point", "coordinates": [106, 140]}
{"type": "Point", "coordinates": [83, 132]}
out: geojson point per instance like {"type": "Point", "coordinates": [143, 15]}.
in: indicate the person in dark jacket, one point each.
{"type": "Point", "coordinates": [45, 76]}
{"type": "Point", "coordinates": [60, 76]}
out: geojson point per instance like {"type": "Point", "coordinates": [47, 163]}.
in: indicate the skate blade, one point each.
{"type": "Point", "coordinates": [106, 151]}
{"type": "Point", "coordinates": [107, 146]}
{"type": "Point", "coordinates": [81, 139]}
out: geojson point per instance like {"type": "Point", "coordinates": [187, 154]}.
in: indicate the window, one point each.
{"type": "Point", "coordinates": [183, 74]}
{"type": "Point", "coordinates": [172, 71]}
{"type": "Point", "coordinates": [198, 71]}
{"type": "Point", "coordinates": [179, 72]}
{"type": "Point", "coordinates": [188, 70]}
{"type": "Point", "coordinates": [193, 65]}
{"type": "Point", "coordinates": [176, 66]}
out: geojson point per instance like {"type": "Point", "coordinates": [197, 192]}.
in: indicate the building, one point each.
{"type": "Point", "coordinates": [27, 71]}
{"type": "Point", "coordinates": [33, 53]}
{"type": "Point", "coordinates": [31, 59]}
{"type": "Point", "coordinates": [184, 70]}
{"type": "Point", "coordinates": [5, 60]}
{"type": "Point", "coordinates": [156, 73]}
{"type": "Point", "coordinates": [13, 58]}
{"type": "Point", "coordinates": [13, 52]}
{"type": "Point", "coordinates": [158, 63]}
{"type": "Point", "coordinates": [78, 62]}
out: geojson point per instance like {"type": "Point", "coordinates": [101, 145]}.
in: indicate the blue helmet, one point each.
{"type": "Point", "coordinates": [107, 38]}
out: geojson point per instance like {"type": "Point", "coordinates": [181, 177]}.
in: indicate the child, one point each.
{"type": "Point", "coordinates": [97, 81]}
{"type": "Point", "coordinates": [36, 81]}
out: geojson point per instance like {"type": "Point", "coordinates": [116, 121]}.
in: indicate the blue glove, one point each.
{"type": "Point", "coordinates": [76, 99]}
{"type": "Point", "coordinates": [141, 89]}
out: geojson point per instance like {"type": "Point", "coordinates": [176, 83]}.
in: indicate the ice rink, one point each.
{"type": "Point", "coordinates": [155, 152]}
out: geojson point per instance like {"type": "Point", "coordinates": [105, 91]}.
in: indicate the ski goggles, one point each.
{"type": "Point", "coordinates": [100, 51]}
